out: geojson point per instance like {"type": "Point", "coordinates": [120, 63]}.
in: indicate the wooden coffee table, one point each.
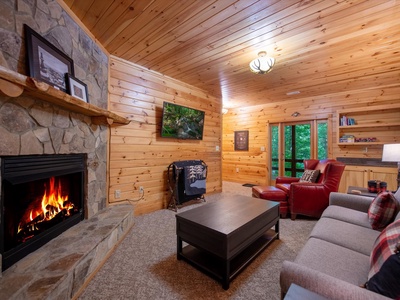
{"type": "Point", "coordinates": [225, 236]}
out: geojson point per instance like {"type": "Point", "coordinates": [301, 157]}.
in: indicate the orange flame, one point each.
{"type": "Point", "coordinates": [52, 203]}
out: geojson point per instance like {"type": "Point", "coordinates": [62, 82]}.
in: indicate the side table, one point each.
{"type": "Point", "coordinates": [361, 191]}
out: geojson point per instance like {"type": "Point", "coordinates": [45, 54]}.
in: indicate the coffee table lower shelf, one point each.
{"type": "Point", "coordinates": [220, 269]}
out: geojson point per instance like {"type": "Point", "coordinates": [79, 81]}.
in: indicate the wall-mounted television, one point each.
{"type": "Point", "coordinates": [182, 122]}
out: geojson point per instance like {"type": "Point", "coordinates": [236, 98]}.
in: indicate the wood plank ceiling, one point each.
{"type": "Point", "coordinates": [320, 47]}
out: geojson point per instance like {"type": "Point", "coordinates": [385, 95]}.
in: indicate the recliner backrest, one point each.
{"type": "Point", "coordinates": [316, 164]}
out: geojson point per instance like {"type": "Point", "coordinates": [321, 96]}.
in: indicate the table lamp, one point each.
{"type": "Point", "coordinates": [391, 152]}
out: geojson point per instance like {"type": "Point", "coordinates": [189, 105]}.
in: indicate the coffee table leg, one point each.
{"type": "Point", "coordinates": [277, 230]}
{"type": "Point", "coordinates": [178, 248]}
{"type": "Point", "coordinates": [225, 279]}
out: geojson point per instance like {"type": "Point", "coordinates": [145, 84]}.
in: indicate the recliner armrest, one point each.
{"type": "Point", "coordinates": [288, 180]}
{"type": "Point", "coordinates": [356, 202]}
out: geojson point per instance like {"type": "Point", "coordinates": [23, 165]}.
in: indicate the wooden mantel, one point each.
{"type": "Point", "coordinates": [13, 84]}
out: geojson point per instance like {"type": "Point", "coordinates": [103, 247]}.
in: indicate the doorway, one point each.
{"type": "Point", "coordinates": [292, 143]}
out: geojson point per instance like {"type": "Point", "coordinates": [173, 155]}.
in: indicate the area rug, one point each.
{"type": "Point", "coordinates": [144, 266]}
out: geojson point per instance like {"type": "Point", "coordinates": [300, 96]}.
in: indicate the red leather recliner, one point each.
{"type": "Point", "coordinates": [311, 199]}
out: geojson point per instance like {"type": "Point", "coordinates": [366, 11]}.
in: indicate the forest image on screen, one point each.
{"type": "Point", "coordinates": [182, 122]}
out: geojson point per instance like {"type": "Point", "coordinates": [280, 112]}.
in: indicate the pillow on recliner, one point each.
{"type": "Point", "coordinates": [382, 210]}
{"type": "Point", "coordinates": [309, 176]}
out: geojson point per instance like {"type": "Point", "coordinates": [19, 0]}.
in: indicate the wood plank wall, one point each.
{"type": "Point", "coordinates": [138, 155]}
{"type": "Point", "coordinates": [253, 166]}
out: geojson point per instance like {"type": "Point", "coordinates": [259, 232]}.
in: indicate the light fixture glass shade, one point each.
{"type": "Point", "coordinates": [263, 64]}
{"type": "Point", "coordinates": [391, 152]}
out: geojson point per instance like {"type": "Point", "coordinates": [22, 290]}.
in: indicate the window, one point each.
{"type": "Point", "coordinates": [300, 141]}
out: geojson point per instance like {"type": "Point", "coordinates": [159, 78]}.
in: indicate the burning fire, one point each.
{"type": "Point", "coordinates": [51, 204]}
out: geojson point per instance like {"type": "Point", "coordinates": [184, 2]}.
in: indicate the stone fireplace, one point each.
{"type": "Point", "coordinates": [32, 124]}
{"type": "Point", "coordinates": [33, 127]}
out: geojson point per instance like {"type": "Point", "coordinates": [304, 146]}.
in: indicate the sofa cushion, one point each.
{"type": "Point", "coordinates": [309, 176]}
{"type": "Point", "coordinates": [382, 210]}
{"type": "Point", "coordinates": [334, 260]}
{"type": "Point", "coordinates": [345, 234]}
{"type": "Point", "coordinates": [384, 247]}
{"type": "Point", "coordinates": [386, 281]}
{"type": "Point", "coordinates": [347, 215]}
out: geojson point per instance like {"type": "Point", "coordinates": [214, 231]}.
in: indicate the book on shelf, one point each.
{"type": "Point", "coordinates": [345, 121]}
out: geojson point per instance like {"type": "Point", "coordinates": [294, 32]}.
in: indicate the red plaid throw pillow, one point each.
{"type": "Point", "coordinates": [384, 247]}
{"type": "Point", "coordinates": [382, 210]}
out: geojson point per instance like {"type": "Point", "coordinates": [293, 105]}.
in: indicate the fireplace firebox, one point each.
{"type": "Point", "coordinates": [41, 196]}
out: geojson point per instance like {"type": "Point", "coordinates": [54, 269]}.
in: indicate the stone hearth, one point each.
{"type": "Point", "coordinates": [59, 269]}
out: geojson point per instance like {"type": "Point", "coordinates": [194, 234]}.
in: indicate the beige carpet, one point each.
{"type": "Point", "coordinates": [144, 266]}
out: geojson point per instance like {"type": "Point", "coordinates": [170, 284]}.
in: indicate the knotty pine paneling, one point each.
{"type": "Point", "coordinates": [320, 47]}
{"type": "Point", "coordinates": [138, 155]}
{"type": "Point", "coordinates": [252, 166]}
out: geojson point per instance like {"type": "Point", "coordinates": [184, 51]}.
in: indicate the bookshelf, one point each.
{"type": "Point", "coordinates": [372, 125]}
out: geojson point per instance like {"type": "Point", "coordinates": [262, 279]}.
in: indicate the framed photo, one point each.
{"type": "Point", "coordinates": [242, 140]}
{"type": "Point", "coordinates": [45, 62]}
{"type": "Point", "coordinates": [77, 88]}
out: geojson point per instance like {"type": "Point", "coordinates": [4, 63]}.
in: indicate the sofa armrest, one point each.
{"type": "Point", "coordinates": [322, 284]}
{"type": "Point", "coordinates": [356, 202]}
{"type": "Point", "coordinates": [288, 180]}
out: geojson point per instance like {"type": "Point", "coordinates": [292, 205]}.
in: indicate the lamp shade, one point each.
{"type": "Point", "coordinates": [263, 64]}
{"type": "Point", "coordinates": [391, 152]}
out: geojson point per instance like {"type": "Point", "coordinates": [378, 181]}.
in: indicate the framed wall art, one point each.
{"type": "Point", "coordinates": [77, 88]}
{"type": "Point", "coordinates": [45, 62]}
{"type": "Point", "coordinates": [242, 140]}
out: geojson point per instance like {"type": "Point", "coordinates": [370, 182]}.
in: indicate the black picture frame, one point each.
{"type": "Point", "coordinates": [77, 88]}
{"type": "Point", "coordinates": [242, 140]}
{"type": "Point", "coordinates": [45, 62]}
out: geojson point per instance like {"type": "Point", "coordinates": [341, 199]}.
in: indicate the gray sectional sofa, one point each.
{"type": "Point", "coordinates": [335, 260]}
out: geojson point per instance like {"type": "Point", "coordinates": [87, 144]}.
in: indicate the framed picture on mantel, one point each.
{"type": "Point", "coordinates": [77, 88]}
{"type": "Point", "coordinates": [45, 62]}
{"type": "Point", "coordinates": [242, 140]}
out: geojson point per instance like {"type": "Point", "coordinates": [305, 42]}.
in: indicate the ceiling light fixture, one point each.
{"type": "Point", "coordinates": [263, 64]}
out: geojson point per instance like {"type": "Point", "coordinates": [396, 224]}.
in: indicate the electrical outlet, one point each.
{"type": "Point", "coordinates": [117, 194]}
{"type": "Point", "coordinates": [237, 170]}
{"type": "Point", "coordinates": [141, 189]}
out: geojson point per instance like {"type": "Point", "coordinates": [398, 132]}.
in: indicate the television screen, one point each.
{"type": "Point", "coordinates": [182, 122]}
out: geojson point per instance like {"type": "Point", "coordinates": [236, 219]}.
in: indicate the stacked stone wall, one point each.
{"type": "Point", "coordinates": [32, 126]}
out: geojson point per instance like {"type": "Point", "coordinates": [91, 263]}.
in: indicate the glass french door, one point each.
{"type": "Point", "coordinates": [291, 143]}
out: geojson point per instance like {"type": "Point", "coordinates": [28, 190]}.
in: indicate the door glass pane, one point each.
{"type": "Point", "coordinates": [288, 150]}
{"type": "Point", "coordinates": [274, 152]}
{"type": "Point", "coordinates": [303, 146]}
{"type": "Point", "coordinates": [322, 140]}
{"type": "Point", "coordinates": [297, 148]}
